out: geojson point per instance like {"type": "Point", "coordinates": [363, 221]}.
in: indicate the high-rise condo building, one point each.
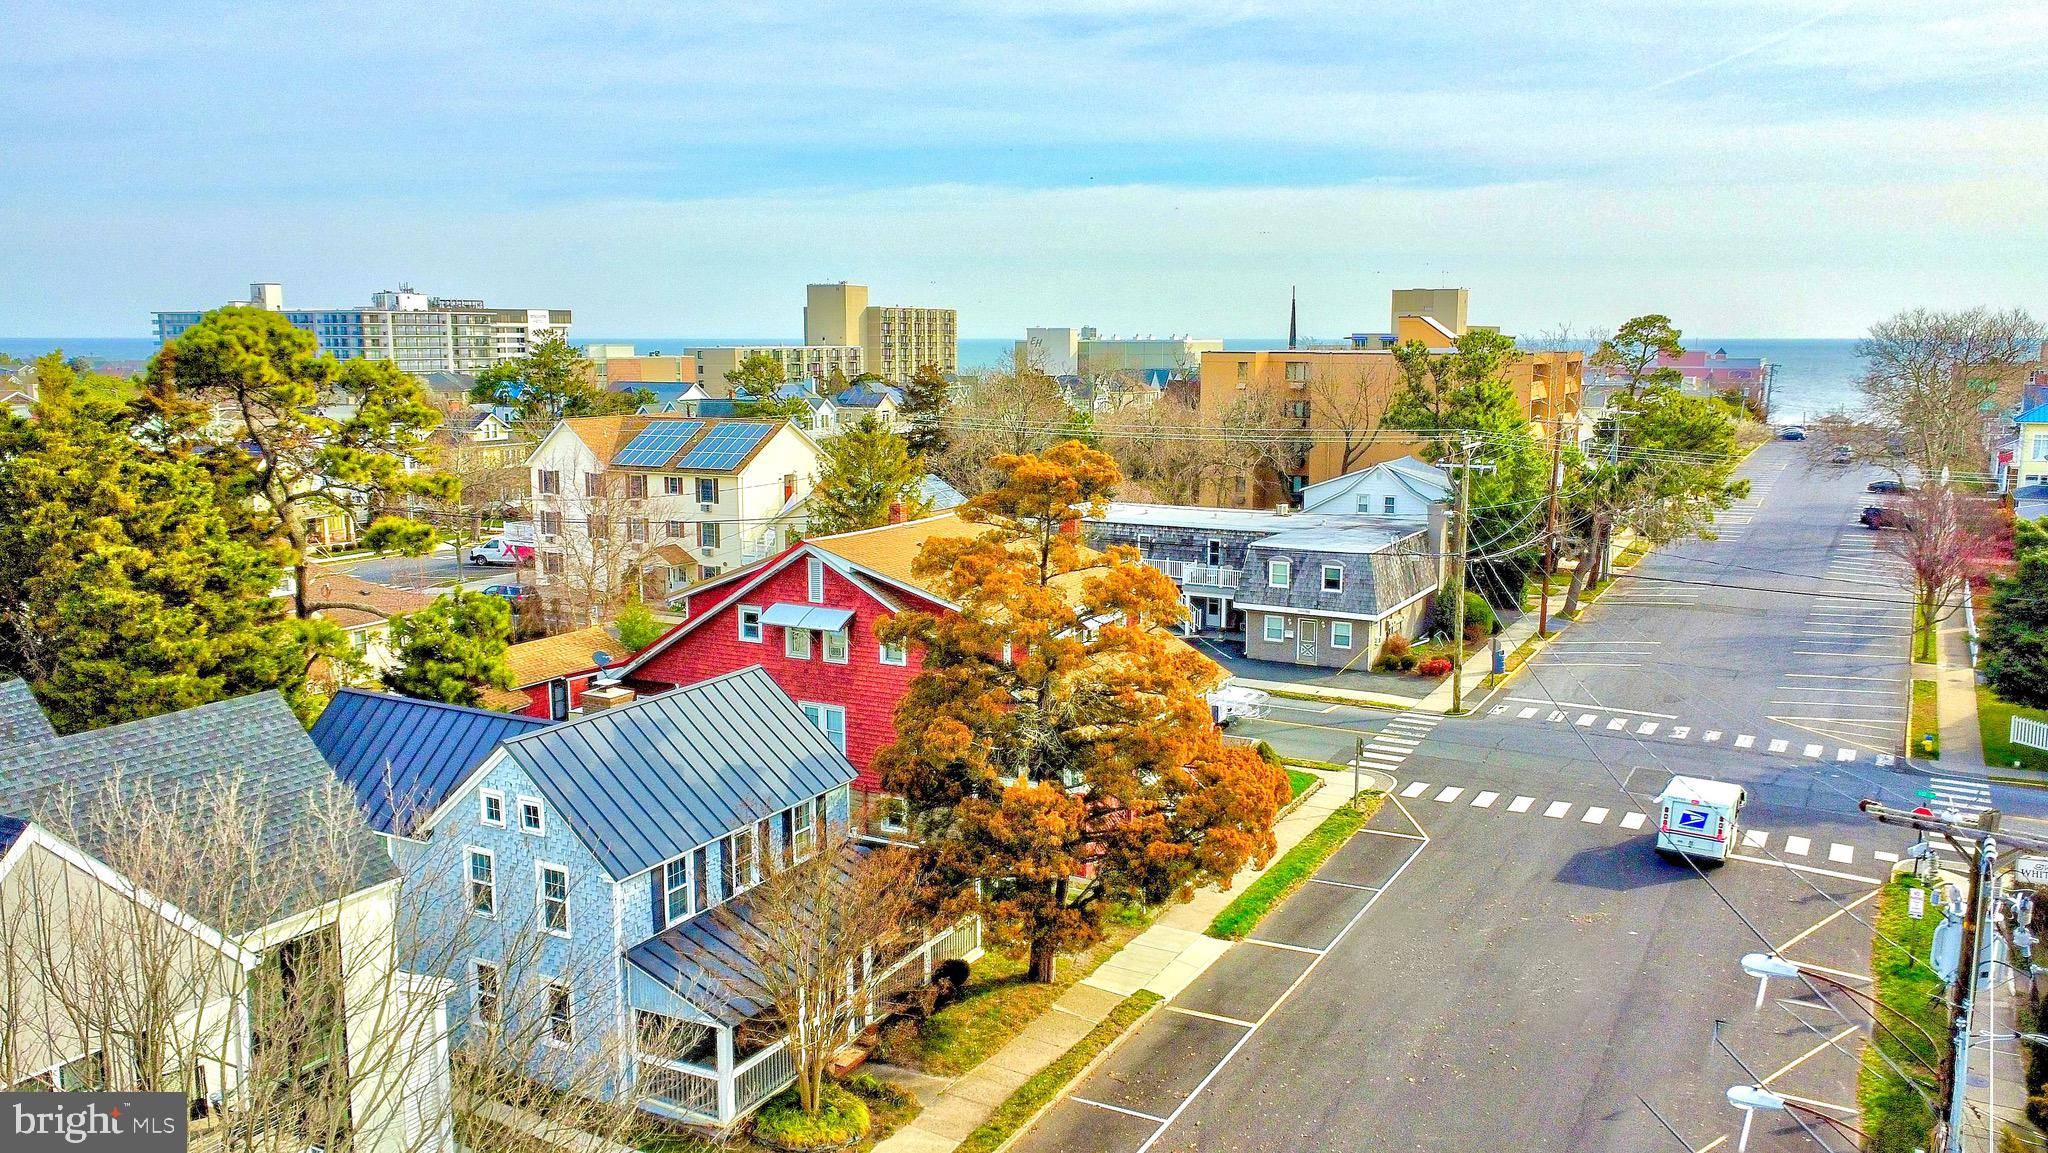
{"type": "Point", "coordinates": [418, 332]}
{"type": "Point", "coordinates": [896, 340]}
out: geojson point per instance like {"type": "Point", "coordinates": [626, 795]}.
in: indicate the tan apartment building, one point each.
{"type": "Point", "coordinates": [816, 361]}
{"type": "Point", "coordinates": [897, 340]}
{"type": "Point", "coordinates": [611, 366]}
{"type": "Point", "coordinates": [1331, 390]}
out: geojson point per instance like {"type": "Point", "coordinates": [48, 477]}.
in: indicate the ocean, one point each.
{"type": "Point", "coordinates": [1812, 377]}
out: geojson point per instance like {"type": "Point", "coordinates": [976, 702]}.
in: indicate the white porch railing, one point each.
{"type": "Point", "coordinates": [1187, 573]}
{"type": "Point", "coordinates": [690, 1088]}
{"type": "Point", "coordinates": [763, 1075]}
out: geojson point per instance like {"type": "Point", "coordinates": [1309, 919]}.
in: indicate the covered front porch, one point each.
{"type": "Point", "coordinates": [707, 1050]}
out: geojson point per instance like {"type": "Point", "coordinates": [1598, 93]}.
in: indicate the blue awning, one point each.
{"type": "Point", "coordinates": [820, 617]}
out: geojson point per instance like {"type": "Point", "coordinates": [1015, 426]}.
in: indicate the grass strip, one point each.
{"type": "Point", "coordinates": [1046, 1084]}
{"type": "Point", "coordinates": [1294, 868]}
{"type": "Point", "coordinates": [1299, 782]}
{"type": "Point", "coordinates": [1895, 1113]}
{"type": "Point", "coordinates": [1926, 719]}
{"type": "Point", "coordinates": [1994, 728]}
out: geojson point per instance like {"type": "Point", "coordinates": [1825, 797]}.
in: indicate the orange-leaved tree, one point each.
{"type": "Point", "coordinates": [1055, 752]}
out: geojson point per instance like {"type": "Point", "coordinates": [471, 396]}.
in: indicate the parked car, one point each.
{"type": "Point", "coordinates": [1791, 432]}
{"type": "Point", "coordinates": [1878, 516]}
{"type": "Point", "coordinates": [1886, 487]}
{"type": "Point", "coordinates": [1841, 454]}
{"type": "Point", "coordinates": [513, 593]}
{"type": "Point", "coordinates": [500, 551]}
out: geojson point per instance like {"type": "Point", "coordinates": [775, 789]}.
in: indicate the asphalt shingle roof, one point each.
{"type": "Point", "coordinates": [21, 718]}
{"type": "Point", "coordinates": [644, 782]}
{"type": "Point", "coordinates": [404, 757]}
{"type": "Point", "coordinates": [252, 748]}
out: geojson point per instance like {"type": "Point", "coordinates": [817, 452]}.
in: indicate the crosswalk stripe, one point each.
{"type": "Point", "coordinates": [1780, 746]}
{"type": "Point", "coordinates": [1681, 732]}
{"type": "Point", "coordinates": [1646, 728]}
{"type": "Point", "coordinates": [1383, 758]}
{"type": "Point", "coordinates": [1617, 723]}
{"type": "Point", "coordinates": [1754, 838]}
{"type": "Point", "coordinates": [1813, 750]}
{"type": "Point", "coordinates": [1558, 809]}
{"type": "Point", "coordinates": [1797, 846]}
{"type": "Point", "coordinates": [1485, 800]}
{"type": "Point", "coordinates": [1845, 754]}
{"type": "Point", "coordinates": [1841, 854]}
{"type": "Point", "coordinates": [1405, 742]}
{"type": "Point", "coordinates": [1586, 718]}
{"type": "Point", "coordinates": [1415, 790]}
{"type": "Point", "coordinates": [1525, 714]}
{"type": "Point", "coordinates": [1450, 793]}
{"type": "Point", "coordinates": [1520, 804]}
{"type": "Point", "coordinates": [1631, 820]}
{"type": "Point", "coordinates": [1712, 735]}
{"type": "Point", "coordinates": [1593, 816]}
{"type": "Point", "coordinates": [1744, 741]}
{"type": "Point", "coordinates": [1423, 719]}
{"type": "Point", "coordinates": [1556, 715]}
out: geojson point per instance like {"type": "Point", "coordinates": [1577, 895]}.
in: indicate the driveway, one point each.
{"type": "Point", "coordinates": [1230, 654]}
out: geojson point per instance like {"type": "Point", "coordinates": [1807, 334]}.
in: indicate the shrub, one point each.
{"type": "Point", "coordinates": [875, 1089]}
{"type": "Point", "coordinates": [1434, 667]}
{"type": "Point", "coordinates": [1397, 655]}
{"type": "Point", "coordinates": [841, 1119]}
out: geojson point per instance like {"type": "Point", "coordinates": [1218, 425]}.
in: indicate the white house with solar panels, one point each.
{"type": "Point", "coordinates": [661, 501]}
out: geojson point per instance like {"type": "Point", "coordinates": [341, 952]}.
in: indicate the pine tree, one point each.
{"type": "Point", "coordinates": [453, 649]}
{"type": "Point", "coordinates": [128, 587]}
{"type": "Point", "coordinates": [2015, 638]}
{"type": "Point", "coordinates": [862, 471]}
{"type": "Point", "coordinates": [756, 385]}
{"type": "Point", "coordinates": [927, 401]}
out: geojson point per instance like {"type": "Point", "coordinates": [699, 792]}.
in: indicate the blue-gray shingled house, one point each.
{"type": "Point", "coordinates": [601, 868]}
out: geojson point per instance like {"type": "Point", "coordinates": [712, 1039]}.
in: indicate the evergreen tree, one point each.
{"type": "Point", "coordinates": [927, 401]}
{"type": "Point", "coordinates": [551, 382]}
{"type": "Point", "coordinates": [862, 471]}
{"type": "Point", "coordinates": [755, 384]}
{"type": "Point", "coordinates": [453, 649]}
{"type": "Point", "coordinates": [1631, 353]}
{"type": "Point", "coordinates": [127, 586]}
{"type": "Point", "coordinates": [637, 628]}
{"type": "Point", "coordinates": [2015, 638]}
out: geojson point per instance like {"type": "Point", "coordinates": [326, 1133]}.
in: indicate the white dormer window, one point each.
{"type": "Point", "coordinates": [1279, 572]}
{"type": "Point", "coordinates": [1333, 578]}
{"type": "Point", "coordinates": [814, 590]}
{"type": "Point", "coordinates": [491, 808]}
{"type": "Point", "coordinates": [531, 819]}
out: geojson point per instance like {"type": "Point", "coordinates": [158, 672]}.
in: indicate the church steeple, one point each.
{"type": "Point", "coordinates": [1293, 316]}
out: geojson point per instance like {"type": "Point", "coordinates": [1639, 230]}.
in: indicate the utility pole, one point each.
{"type": "Point", "coordinates": [1982, 837]}
{"type": "Point", "coordinates": [1550, 528]}
{"type": "Point", "coordinates": [1464, 508]}
{"type": "Point", "coordinates": [1357, 760]}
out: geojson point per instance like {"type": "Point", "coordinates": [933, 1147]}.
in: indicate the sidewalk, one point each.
{"type": "Point", "coordinates": [1962, 742]}
{"type": "Point", "coordinates": [1998, 1075]}
{"type": "Point", "coordinates": [1479, 664]}
{"type": "Point", "coordinates": [1165, 959]}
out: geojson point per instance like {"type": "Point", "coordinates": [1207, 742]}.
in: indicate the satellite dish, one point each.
{"type": "Point", "coordinates": [600, 658]}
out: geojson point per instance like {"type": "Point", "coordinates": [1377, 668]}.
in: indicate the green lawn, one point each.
{"type": "Point", "coordinates": [1046, 1084]}
{"type": "Point", "coordinates": [1299, 782]}
{"type": "Point", "coordinates": [1994, 725]}
{"type": "Point", "coordinates": [1926, 718]}
{"type": "Point", "coordinates": [997, 1004]}
{"type": "Point", "coordinates": [1293, 869]}
{"type": "Point", "coordinates": [1894, 1114]}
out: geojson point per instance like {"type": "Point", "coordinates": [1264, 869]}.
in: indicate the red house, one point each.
{"type": "Point", "coordinates": [807, 615]}
{"type": "Point", "coordinates": [549, 675]}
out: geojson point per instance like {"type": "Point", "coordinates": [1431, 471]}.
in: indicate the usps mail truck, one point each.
{"type": "Point", "coordinates": [1696, 818]}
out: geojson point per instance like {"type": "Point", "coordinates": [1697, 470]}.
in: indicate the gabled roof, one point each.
{"type": "Point", "coordinates": [535, 661]}
{"type": "Point", "coordinates": [251, 746]}
{"type": "Point", "coordinates": [936, 492]}
{"type": "Point", "coordinates": [21, 718]}
{"type": "Point", "coordinates": [645, 782]}
{"type": "Point", "coordinates": [2035, 415]}
{"type": "Point", "coordinates": [364, 602]}
{"type": "Point", "coordinates": [608, 436]}
{"type": "Point", "coordinates": [1422, 480]}
{"type": "Point", "coordinates": [404, 757]}
{"type": "Point", "coordinates": [868, 394]}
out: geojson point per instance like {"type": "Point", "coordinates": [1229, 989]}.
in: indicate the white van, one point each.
{"type": "Point", "coordinates": [1697, 818]}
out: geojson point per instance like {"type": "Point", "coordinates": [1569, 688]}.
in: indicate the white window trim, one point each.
{"type": "Point", "coordinates": [742, 628]}
{"type": "Point", "coordinates": [689, 894]}
{"type": "Point", "coordinates": [540, 810]}
{"type": "Point", "coordinates": [1271, 620]}
{"type": "Point", "coordinates": [814, 581]}
{"type": "Point", "coordinates": [902, 654]}
{"type": "Point", "coordinates": [483, 799]}
{"type": "Point", "coordinates": [892, 803]}
{"type": "Point", "coordinates": [1346, 626]}
{"type": "Point", "coordinates": [789, 647]}
{"type": "Point", "coordinates": [825, 709]}
{"type": "Point", "coordinates": [1326, 578]}
{"type": "Point", "coordinates": [1274, 566]}
{"type": "Point", "coordinates": [476, 965]}
{"type": "Point", "coordinates": [548, 1015]}
{"type": "Point", "coordinates": [469, 881]}
{"type": "Point", "coordinates": [845, 646]}
{"type": "Point", "coordinates": [540, 870]}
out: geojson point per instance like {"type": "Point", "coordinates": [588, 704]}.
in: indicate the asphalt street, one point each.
{"type": "Point", "coordinates": [438, 571]}
{"type": "Point", "coordinates": [1503, 961]}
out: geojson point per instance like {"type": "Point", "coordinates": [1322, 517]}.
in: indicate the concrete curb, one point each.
{"type": "Point", "coordinates": [1107, 1051]}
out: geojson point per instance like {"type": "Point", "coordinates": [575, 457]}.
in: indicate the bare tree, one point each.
{"type": "Point", "coordinates": [1273, 440]}
{"type": "Point", "coordinates": [825, 933]}
{"type": "Point", "coordinates": [1018, 409]}
{"type": "Point", "coordinates": [607, 540]}
{"type": "Point", "coordinates": [1166, 453]}
{"type": "Point", "coordinates": [1943, 538]}
{"type": "Point", "coordinates": [1933, 382]}
{"type": "Point", "coordinates": [1351, 403]}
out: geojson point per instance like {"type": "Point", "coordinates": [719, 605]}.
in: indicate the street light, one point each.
{"type": "Point", "coordinates": [1750, 1098]}
{"type": "Point", "coordinates": [1764, 966]}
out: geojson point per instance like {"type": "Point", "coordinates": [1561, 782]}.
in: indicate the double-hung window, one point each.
{"type": "Point", "coordinates": [1276, 628]}
{"type": "Point", "coordinates": [750, 624]}
{"type": "Point", "coordinates": [700, 879]}
{"type": "Point", "coordinates": [806, 830]}
{"type": "Point", "coordinates": [835, 646]}
{"type": "Point", "coordinates": [1340, 634]}
{"type": "Point", "coordinates": [483, 882]}
{"type": "Point", "coordinates": [831, 721]}
{"type": "Point", "coordinates": [1279, 572]}
{"type": "Point", "coordinates": [796, 644]}
{"type": "Point", "coordinates": [707, 490]}
{"type": "Point", "coordinates": [549, 482]}
{"type": "Point", "coordinates": [675, 890]}
{"type": "Point", "coordinates": [1388, 508]}
{"type": "Point", "coordinates": [1333, 578]}
{"type": "Point", "coordinates": [491, 808]}
{"type": "Point", "coordinates": [707, 534]}
{"type": "Point", "coordinates": [896, 653]}
{"type": "Point", "coordinates": [552, 895]}
{"type": "Point", "coordinates": [636, 485]}
{"type": "Point", "coordinates": [485, 992]}
{"type": "Point", "coordinates": [744, 870]}
{"type": "Point", "coordinates": [561, 1018]}
{"type": "Point", "coordinates": [671, 486]}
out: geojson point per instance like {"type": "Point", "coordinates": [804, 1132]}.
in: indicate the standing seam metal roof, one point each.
{"type": "Point", "coordinates": [645, 782]}
{"type": "Point", "coordinates": [405, 757]}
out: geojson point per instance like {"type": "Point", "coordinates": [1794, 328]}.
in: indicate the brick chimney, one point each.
{"type": "Point", "coordinates": [896, 512]}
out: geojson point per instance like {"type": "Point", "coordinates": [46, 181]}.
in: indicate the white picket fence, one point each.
{"type": "Point", "coordinates": [2033, 734]}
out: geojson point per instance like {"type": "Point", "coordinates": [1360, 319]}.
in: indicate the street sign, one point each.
{"type": "Point", "coordinates": [1925, 794]}
{"type": "Point", "coordinates": [1916, 904]}
{"type": "Point", "coordinates": [2031, 870]}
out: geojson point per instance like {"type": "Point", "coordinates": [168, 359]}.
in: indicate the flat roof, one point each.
{"type": "Point", "coordinates": [1325, 531]}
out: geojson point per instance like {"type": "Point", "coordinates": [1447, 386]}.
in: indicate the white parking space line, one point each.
{"type": "Point", "coordinates": [1681, 732]}
{"type": "Point", "coordinates": [1450, 793]}
{"type": "Point", "coordinates": [1841, 854]}
{"type": "Point", "coordinates": [1520, 804]}
{"type": "Point", "coordinates": [1593, 816]}
{"type": "Point", "coordinates": [1557, 810]}
{"type": "Point", "coordinates": [1845, 754]}
{"type": "Point", "coordinates": [1415, 790]}
{"type": "Point", "coordinates": [1712, 736]}
{"type": "Point", "coordinates": [1780, 746]}
{"type": "Point", "coordinates": [1754, 838]}
{"type": "Point", "coordinates": [1836, 677]}
{"type": "Point", "coordinates": [1744, 741]}
{"type": "Point", "coordinates": [1797, 846]}
{"type": "Point", "coordinates": [1485, 800]}
{"type": "Point", "coordinates": [1119, 1108]}
{"type": "Point", "coordinates": [1812, 750]}
{"type": "Point", "coordinates": [1881, 855]}
{"type": "Point", "coordinates": [1631, 820]}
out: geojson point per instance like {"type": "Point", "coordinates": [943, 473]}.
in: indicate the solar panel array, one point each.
{"type": "Point", "coordinates": [725, 446]}
{"type": "Point", "coordinates": [656, 443]}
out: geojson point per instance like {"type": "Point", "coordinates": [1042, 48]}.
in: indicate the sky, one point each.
{"type": "Point", "coordinates": [1749, 167]}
